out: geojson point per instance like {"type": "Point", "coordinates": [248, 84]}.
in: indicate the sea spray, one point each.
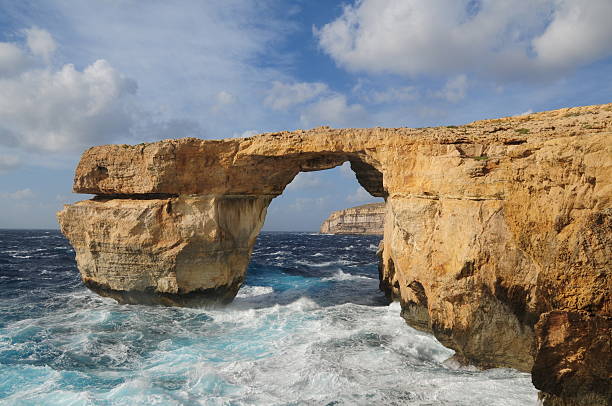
{"type": "Point", "coordinates": [304, 329]}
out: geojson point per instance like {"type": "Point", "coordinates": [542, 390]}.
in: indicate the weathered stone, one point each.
{"type": "Point", "coordinates": [364, 219]}
{"type": "Point", "coordinates": [573, 364]}
{"type": "Point", "coordinates": [489, 227]}
{"type": "Point", "coordinates": [185, 250]}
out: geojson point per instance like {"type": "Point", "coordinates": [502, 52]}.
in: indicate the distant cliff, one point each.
{"type": "Point", "coordinates": [364, 219]}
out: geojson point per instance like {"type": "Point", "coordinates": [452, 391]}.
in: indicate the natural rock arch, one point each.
{"type": "Point", "coordinates": [166, 240]}
{"type": "Point", "coordinates": [498, 231]}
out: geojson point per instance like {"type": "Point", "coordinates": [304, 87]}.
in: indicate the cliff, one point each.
{"type": "Point", "coordinates": [496, 234]}
{"type": "Point", "coordinates": [364, 219]}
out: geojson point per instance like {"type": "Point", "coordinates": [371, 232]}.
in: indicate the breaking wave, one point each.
{"type": "Point", "coordinates": [300, 331]}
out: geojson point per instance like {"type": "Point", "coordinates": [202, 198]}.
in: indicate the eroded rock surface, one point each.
{"type": "Point", "coordinates": [364, 219]}
{"type": "Point", "coordinates": [182, 250]}
{"type": "Point", "coordinates": [577, 347]}
{"type": "Point", "coordinates": [492, 229]}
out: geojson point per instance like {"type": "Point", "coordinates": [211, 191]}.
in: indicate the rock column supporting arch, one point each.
{"type": "Point", "coordinates": [497, 233]}
{"type": "Point", "coordinates": [170, 250]}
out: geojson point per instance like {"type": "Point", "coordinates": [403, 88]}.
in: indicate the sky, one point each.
{"type": "Point", "coordinates": [74, 74]}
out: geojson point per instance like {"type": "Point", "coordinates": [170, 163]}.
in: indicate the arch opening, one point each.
{"type": "Point", "coordinates": [293, 261]}
{"type": "Point", "coordinates": [314, 193]}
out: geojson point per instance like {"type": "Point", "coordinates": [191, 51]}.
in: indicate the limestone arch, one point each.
{"type": "Point", "coordinates": [190, 212]}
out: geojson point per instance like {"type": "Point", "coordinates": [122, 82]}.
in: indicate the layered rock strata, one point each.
{"type": "Point", "coordinates": [364, 219]}
{"type": "Point", "coordinates": [497, 234]}
{"type": "Point", "coordinates": [182, 250]}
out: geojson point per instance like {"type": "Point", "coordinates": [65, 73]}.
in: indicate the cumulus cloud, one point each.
{"type": "Point", "coordinates": [504, 39]}
{"type": "Point", "coordinates": [333, 110]}
{"type": "Point", "coordinates": [65, 109]}
{"type": "Point", "coordinates": [40, 42]}
{"type": "Point", "coordinates": [285, 95]}
{"type": "Point", "coordinates": [12, 59]}
{"type": "Point", "coordinates": [580, 32]}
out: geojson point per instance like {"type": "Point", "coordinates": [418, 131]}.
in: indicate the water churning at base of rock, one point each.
{"type": "Point", "coordinates": [308, 327]}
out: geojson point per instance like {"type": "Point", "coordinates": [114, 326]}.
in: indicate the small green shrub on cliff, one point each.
{"type": "Point", "coordinates": [522, 130]}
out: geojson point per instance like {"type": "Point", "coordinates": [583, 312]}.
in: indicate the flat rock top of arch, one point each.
{"type": "Point", "coordinates": [264, 164]}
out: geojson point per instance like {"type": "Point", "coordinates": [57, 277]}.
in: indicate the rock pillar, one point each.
{"type": "Point", "coordinates": [170, 250]}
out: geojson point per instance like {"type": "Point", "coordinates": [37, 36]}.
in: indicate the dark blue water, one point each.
{"type": "Point", "coordinates": [308, 327]}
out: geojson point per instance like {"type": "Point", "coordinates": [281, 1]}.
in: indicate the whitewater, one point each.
{"type": "Point", "coordinates": [309, 327]}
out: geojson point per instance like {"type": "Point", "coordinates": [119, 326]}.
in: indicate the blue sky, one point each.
{"type": "Point", "coordinates": [75, 74]}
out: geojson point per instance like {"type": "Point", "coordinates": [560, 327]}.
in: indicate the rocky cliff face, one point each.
{"type": "Point", "coordinates": [497, 234]}
{"type": "Point", "coordinates": [364, 219]}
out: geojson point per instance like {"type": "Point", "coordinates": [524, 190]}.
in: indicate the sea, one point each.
{"type": "Point", "coordinates": [308, 327]}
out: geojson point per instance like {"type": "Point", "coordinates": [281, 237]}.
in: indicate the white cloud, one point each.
{"type": "Point", "coordinates": [41, 43]}
{"type": "Point", "coordinates": [334, 111]}
{"type": "Point", "coordinates": [497, 38]}
{"type": "Point", "coordinates": [361, 196]}
{"type": "Point", "coordinates": [305, 180]}
{"type": "Point", "coordinates": [12, 59]}
{"type": "Point", "coordinates": [284, 95]}
{"type": "Point", "coordinates": [454, 90]}
{"type": "Point", "coordinates": [60, 110]}
{"type": "Point", "coordinates": [22, 194]}
{"type": "Point", "coordinates": [8, 163]}
{"type": "Point", "coordinates": [187, 59]}
{"type": "Point", "coordinates": [579, 33]}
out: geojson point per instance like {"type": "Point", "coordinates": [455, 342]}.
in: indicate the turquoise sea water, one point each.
{"type": "Point", "coordinates": [309, 327]}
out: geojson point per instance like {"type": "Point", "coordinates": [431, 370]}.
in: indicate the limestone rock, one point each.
{"type": "Point", "coordinates": [364, 219]}
{"type": "Point", "coordinates": [490, 227]}
{"type": "Point", "coordinates": [185, 250]}
{"type": "Point", "coordinates": [574, 358]}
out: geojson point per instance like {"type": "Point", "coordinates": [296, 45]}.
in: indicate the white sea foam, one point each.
{"type": "Point", "coordinates": [299, 353]}
{"type": "Point", "coordinates": [303, 341]}
{"type": "Point", "coordinates": [250, 291]}
{"type": "Point", "coordinates": [323, 264]}
{"type": "Point", "coordinates": [340, 275]}
{"type": "Point", "coordinates": [277, 253]}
